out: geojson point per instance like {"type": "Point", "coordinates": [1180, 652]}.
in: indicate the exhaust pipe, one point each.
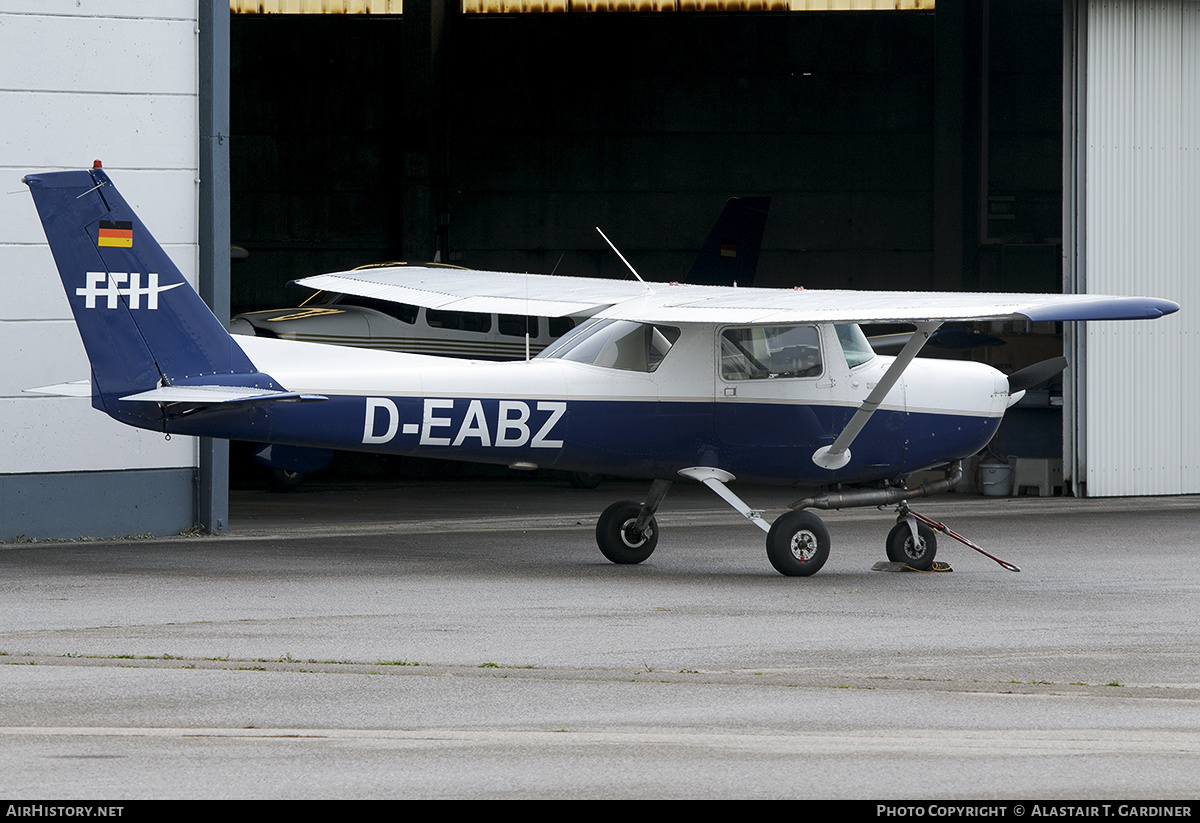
{"type": "Point", "coordinates": [882, 497]}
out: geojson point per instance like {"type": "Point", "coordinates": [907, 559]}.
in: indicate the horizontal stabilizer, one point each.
{"type": "Point", "coordinates": [205, 395]}
{"type": "Point", "coordinates": [76, 388]}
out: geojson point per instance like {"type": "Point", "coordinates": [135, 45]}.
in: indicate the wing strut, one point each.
{"type": "Point", "coordinates": [837, 455]}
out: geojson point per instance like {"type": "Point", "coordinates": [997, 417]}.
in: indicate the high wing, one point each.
{"type": "Point", "coordinates": [542, 295]}
{"type": "Point", "coordinates": [558, 296]}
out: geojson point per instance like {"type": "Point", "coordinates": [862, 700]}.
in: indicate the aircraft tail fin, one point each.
{"type": "Point", "coordinates": [142, 325]}
{"type": "Point", "coordinates": [730, 254]}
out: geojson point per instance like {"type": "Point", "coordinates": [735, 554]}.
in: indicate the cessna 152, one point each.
{"type": "Point", "coordinates": [709, 383]}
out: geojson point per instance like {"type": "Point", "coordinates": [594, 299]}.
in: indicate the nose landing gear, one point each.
{"type": "Point", "coordinates": [924, 524]}
{"type": "Point", "coordinates": [911, 543]}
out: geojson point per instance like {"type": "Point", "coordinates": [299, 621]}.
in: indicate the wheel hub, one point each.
{"type": "Point", "coordinates": [804, 545]}
{"type": "Point", "coordinates": [631, 537]}
{"type": "Point", "coordinates": [914, 549]}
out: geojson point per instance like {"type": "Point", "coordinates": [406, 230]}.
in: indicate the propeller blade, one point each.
{"type": "Point", "coordinates": [1035, 375]}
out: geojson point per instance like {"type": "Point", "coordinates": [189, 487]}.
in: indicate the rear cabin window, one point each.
{"type": "Point", "coordinates": [617, 344]}
{"type": "Point", "coordinates": [458, 320]}
{"type": "Point", "coordinates": [770, 352]}
{"type": "Point", "coordinates": [560, 326]}
{"type": "Point", "coordinates": [516, 325]}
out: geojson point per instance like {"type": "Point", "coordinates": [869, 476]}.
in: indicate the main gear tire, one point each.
{"type": "Point", "coordinates": [798, 544]}
{"type": "Point", "coordinates": [617, 538]}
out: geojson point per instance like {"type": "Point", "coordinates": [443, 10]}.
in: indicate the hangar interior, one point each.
{"type": "Point", "coordinates": [918, 148]}
{"type": "Point", "coordinates": [907, 149]}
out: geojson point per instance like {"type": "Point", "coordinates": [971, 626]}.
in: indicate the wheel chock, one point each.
{"type": "Point", "coordinates": [889, 566]}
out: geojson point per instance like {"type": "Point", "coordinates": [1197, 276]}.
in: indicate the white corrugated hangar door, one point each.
{"type": "Point", "coordinates": [1138, 420]}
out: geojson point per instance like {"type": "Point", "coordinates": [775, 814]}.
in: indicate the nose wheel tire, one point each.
{"type": "Point", "coordinates": [798, 544]}
{"type": "Point", "coordinates": [917, 554]}
{"type": "Point", "coordinates": [617, 538]}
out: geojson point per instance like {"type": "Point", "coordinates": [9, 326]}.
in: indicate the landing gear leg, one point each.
{"type": "Point", "coordinates": [797, 542]}
{"type": "Point", "coordinates": [627, 532]}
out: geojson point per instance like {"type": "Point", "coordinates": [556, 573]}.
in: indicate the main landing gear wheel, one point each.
{"type": "Point", "coordinates": [617, 538]}
{"type": "Point", "coordinates": [584, 480]}
{"type": "Point", "coordinates": [917, 554]}
{"type": "Point", "coordinates": [282, 480]}
{"type": "Point", "coordinates": [798, 544]}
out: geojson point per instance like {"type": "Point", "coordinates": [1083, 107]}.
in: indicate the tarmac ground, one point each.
{"type": "Point", "coordinates": [465, 639]}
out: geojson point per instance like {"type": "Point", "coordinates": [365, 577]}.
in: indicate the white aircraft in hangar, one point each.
{"type": "Point", "coordinates": [729, 257]}
{"type": "Point", "coordinates": [707, 383]}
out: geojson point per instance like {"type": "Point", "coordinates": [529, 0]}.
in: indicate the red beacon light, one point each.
{"type": "Point", "coordinates": [96, 164]}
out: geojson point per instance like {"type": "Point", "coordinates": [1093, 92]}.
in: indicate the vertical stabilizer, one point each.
{"type": "Point", "coordinates": [730, 254]}
{"type": "Point", "coordinates": [142, 324]}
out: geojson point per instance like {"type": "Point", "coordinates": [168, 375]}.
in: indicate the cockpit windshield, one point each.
{"type": "Point", "coordinates": [616, 344]}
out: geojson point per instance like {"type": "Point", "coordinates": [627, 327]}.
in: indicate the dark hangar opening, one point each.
{"type": "Point", "coordinates": [907, 149]}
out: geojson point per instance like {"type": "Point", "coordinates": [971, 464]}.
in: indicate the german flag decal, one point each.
{"type": "Point", "coordinates": [116, 234]}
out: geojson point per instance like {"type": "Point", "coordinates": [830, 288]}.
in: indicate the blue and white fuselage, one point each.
{"type": "Point", "coordinates": [557, 413]}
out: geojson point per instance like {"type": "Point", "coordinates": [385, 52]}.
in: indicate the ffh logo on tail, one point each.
{"type": "Point", "coordinates": [668, 382]}
{"type": "Point", "coordinates": [108, 285]}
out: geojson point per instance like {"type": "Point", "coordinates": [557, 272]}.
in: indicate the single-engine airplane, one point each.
{"type": "Point", "coordinates": [708, 383]}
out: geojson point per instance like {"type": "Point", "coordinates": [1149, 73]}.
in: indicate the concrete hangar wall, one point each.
{"type": "Point", "coordinates": [115, 80]}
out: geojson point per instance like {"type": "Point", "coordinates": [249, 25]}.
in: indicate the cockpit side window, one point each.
{"type": "Point", "coordinates": [617, 344]}
{"type": "Point", "coordinates": [770, 352]}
